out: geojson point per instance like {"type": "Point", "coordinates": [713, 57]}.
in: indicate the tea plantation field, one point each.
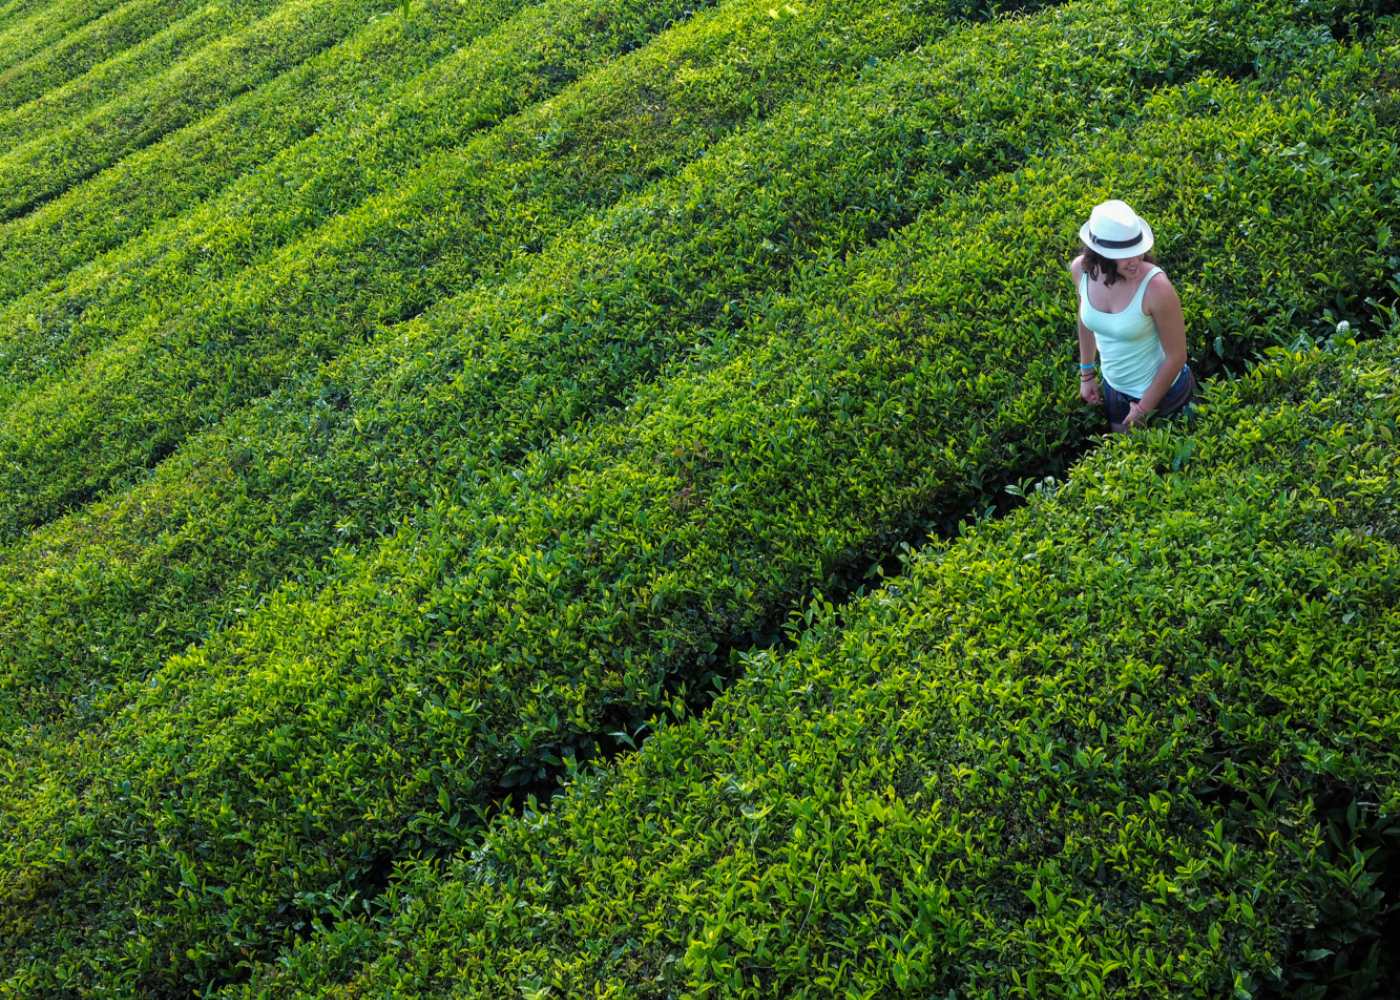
{"type": "Point", "coordinates": [589, 498]}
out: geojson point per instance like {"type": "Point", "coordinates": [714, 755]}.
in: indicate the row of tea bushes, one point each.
{"type": "Point", "coordinates": [96, 42]}
{"type": "Point", "coordinates": [460, 218]}
{"type": "Point", "coordinates": [70, 151]}
{"type": "Point", "coordinates": [262, 780]}
{"type": "Point", "coordinates": [374, 116]}
{"type": "Point", "coordinates": [119, 71]}
{"type": "Point", "coordinates": [376, 138]}
{"type": "Point", "coordinates": [1085, 751]}
{"type": "Point", "coordinates": [33, 29]}
{"type": "Point", "coordinates": [471, 386]}
{"type": "Point", "coordinates": [12, 11]}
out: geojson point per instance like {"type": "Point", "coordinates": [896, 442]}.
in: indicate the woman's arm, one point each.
{"type": "Point", "coordinates": [1164, 306]}
{"type": "Point", "coordinates": [1088, 350]}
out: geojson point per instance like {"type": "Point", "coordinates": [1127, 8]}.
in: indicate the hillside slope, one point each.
{"type": "Point", "coordinates": [263, 779]}
{"type": "Point", "coordinates": [427, 458]}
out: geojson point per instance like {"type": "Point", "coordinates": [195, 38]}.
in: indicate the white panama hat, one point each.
{"type": "Point", "coordinates": [1115, 231]}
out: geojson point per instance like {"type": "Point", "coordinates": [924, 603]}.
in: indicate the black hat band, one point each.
{"type": "Point", "coordinates": [1117, 244]}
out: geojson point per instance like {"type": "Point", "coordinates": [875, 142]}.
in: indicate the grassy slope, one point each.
{"type": "Point", "coordinates": [12, 10]}
{"type": "Point", "coordinates": [35, 29]}
{"type": "Point", "coordinates": [369, 128]}
{"type": "Point", "coordinates": [307, 748]}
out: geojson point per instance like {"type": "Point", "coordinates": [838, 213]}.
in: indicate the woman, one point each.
{"type": "Point", "coordinates": [1130, 316]}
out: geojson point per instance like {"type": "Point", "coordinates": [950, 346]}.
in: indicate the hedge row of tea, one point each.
{"type": "Point", "coordinates": [30, 32]}
{"type": "Point", "coordinates": [466, 390]}
{"type": "Point", "coordinates": [97, 42]}
{"type": "Point", "coordinates": [12, 11]}
{"type": "Point", "coordinates": [137, 62]}
{"type": "Point", "coordinates": [224, 164]}
{"type": "Point", "coordinates": [1084, 751]}
{"type": "Point", "coordinates": [261, 781]}
{"type": "Point", "coordinates": [464, 215]}
{"type": "Point", "coordinates": [70, 151]}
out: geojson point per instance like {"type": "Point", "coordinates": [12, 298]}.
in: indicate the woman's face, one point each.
{"type": "Point", "coordinates": [1130, 267]}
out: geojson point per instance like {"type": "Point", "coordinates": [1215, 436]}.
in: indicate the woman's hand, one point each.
{"type": "Point", "coordinates": [1089, 391]}
{"type": "Point", "coordinates": [1137, 416]}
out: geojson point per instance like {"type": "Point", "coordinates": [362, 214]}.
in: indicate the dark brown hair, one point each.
{"type": "Point", "coordinates": [1094, 262]}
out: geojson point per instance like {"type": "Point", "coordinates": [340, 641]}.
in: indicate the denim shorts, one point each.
{"type": "Point", "coordinates": [1116, 403]}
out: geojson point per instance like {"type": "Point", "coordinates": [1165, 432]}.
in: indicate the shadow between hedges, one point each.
{"type": "Point", "coordinates": [1353, 953]}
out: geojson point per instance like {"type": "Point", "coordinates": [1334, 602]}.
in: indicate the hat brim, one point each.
{"type": "Point", "coordinates": [1141, 247]}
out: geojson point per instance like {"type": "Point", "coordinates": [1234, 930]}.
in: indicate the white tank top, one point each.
{"type": "Point", "coordinates": [1130, 348]}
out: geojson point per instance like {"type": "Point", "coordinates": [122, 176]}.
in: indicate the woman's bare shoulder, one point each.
{"type": "Point", "coordinates": [1160, 291]}
{"type": "Point", "coordinates": [1076, 265]}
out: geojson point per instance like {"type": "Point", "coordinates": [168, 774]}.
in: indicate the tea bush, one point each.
{"type": "Point", "coordinates": [28, 31]}
{"type": "Point", "coordinates": [1078, 752]}
{"type": "Point", "coordinates": [474, 384]}
{"type": "Point", "coordinates": [228, 163]}
{"type": "Point", "coordinates": [96, 42]}
{"type": "Point", "coordinates": [125, 69]}
{"type": "Point", "coordinates": [70, 151]}
{"type": "Point", "coordinates": [259, 782]}
{"type": "Point", "coordinates": [13, 10]}
{"type": "Point", "coordinates": [464, 214]}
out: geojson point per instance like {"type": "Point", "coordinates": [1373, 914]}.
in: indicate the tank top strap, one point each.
{"type": "Point", "coordinates": [1142, 290]}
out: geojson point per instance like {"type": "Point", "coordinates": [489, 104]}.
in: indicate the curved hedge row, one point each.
{"type": "Point", "coordinates": [71, 151]}
{"type": "Point", "coordinates": [264, 778]}
{"type": "Point", "coordinates": [37, 29]}
{"type": "Point", "coordinates": [119, 71]}
{"type": "Point", "coordinates": [475, 383]}
{"type": "Point", "coordinates": [1084, 751]}
{"type": "Point", "coordinates": [100, 40]}
{"type": "Point", "coordinates": [462, 216]}
{"type": "Point", "coordinates": [13, 10]}
{"type": "Point", "coordinates": [373, 121]}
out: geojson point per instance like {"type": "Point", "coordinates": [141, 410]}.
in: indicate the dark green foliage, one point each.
{"type": "Point", "coordinates": [357, 118]}
{"type": "Point", "coordinates": [71, 151]}
{"type": "Point", "coordinates": [1083, 751]}
{"type": "Point", "coordinates": [475, 383]}
{"type": "Point", "coordinates": [12, 11]}
{"type": "Point", "coordinates": [462, 215]}
{"type": "Point", "coordinates": [33, 30]}
{"type": "Point", "coordinates": [98, 41]}
{"type": "Point", "coordinates": [259, 781]}
{"type": "Point", "coordinates": [122, 70]}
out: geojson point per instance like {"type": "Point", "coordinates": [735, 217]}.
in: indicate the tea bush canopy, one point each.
{"type": "Point", "coordinates": [588, 498]}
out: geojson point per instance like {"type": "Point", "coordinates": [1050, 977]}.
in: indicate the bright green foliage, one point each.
{"type": "Point", "coordinates": [71, 151]}
{"type": "Point", "coordinates": [36, 29]}
{"type": "Point", "coordinates": [12, 11]}
{"type": "Point", "coordinates": [120, 70]}
{"type": "Point", "coordinates": [102, 39]}
{"type": "Point", "coordinates": [261, 779]}
{"type": "Point", "coordinates": [1080, 752]}
{"type": "Point", "coordinates": [376, 120]}
{"type": "Point", "coordinates": [462, 215]}
{"type": "Point", "coordinates": [475, 383]}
